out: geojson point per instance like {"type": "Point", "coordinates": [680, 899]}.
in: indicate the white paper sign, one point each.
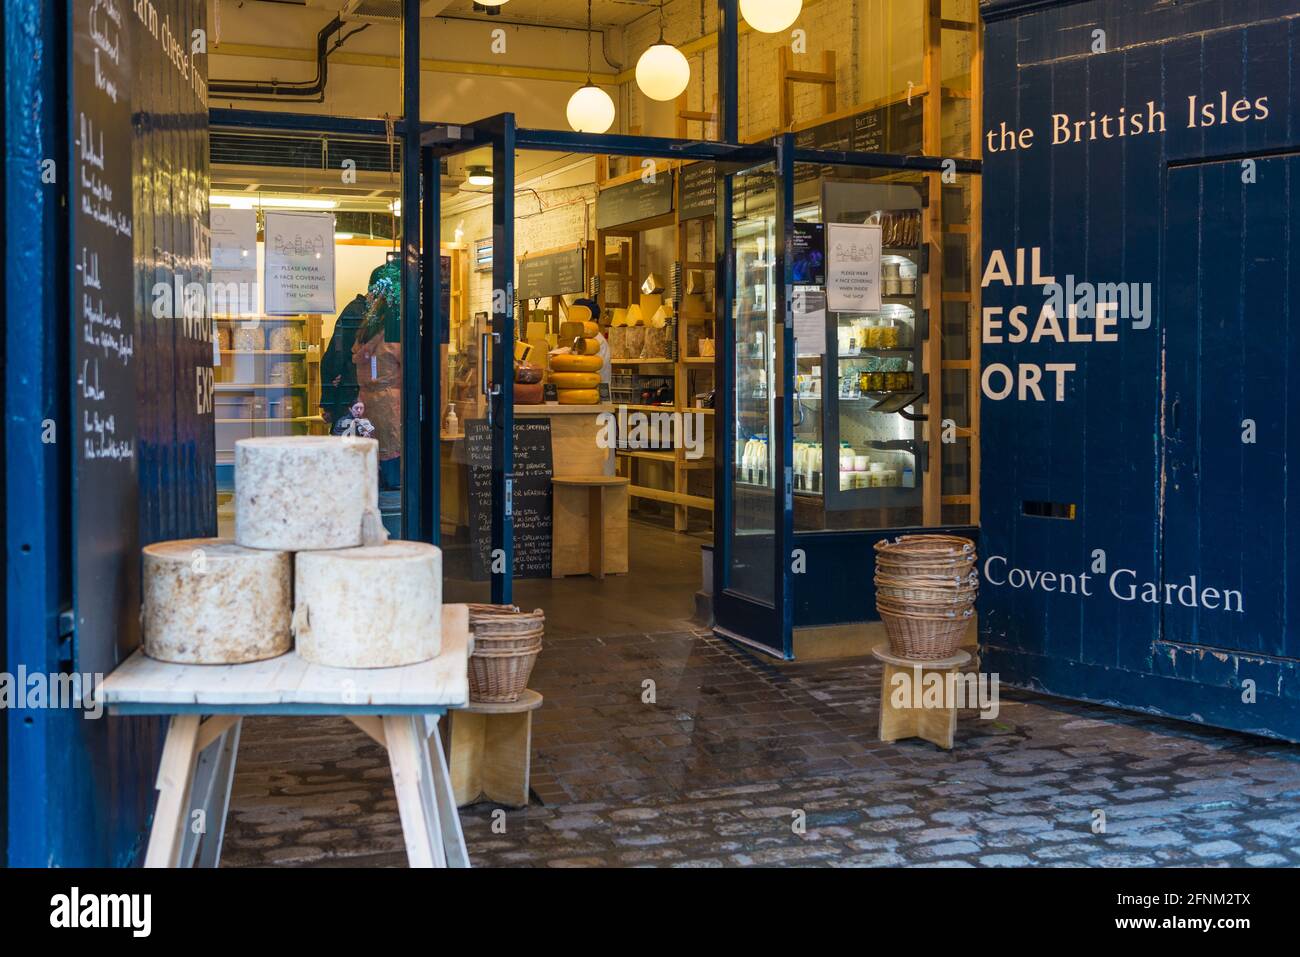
{"type": "Point", "coordinates": [810, 322]}
{"type": "Point", "coordinates": [852, 268]}
{"type": "Point", "coordinates": [299, 272]}
{"type": "Point", "coordinates": [234, 262]}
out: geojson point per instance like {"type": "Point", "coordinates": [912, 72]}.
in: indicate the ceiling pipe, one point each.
{"type": "Point", "coordinates": [273, 88]}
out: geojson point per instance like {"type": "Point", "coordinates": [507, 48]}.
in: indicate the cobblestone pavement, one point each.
{"type": "Point", "coordinates": [712, 773]}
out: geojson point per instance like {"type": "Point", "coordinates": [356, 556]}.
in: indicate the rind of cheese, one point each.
{"type": "Point", "coordinates": [375, 607]}
{"type": "Point", "coordinates": [295, 493]}
{"type": "Point", "coordinates": [578, 396]}
{"type": "Point", "coordinates": [576, 380]}
{"type": "Point", "coordinates": [208, 601]}
{"type": "Point", "coordinates": [572, 363]}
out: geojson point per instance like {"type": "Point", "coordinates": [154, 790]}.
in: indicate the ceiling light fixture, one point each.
{"type": "Point", "coordinates": [662, 72]}
{"type": "Point", "coordinates": [770, 16]}
{"type": "Point", "coordinates": [478, 176]}
{"type": "Point", "coordinates": [590, 109]}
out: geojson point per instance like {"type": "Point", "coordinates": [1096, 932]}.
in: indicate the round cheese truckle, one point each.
{"type": "Point", "coordinates": [208, 601]}
{"type": "Point", "coordinates": [307, 492]}
{"type": "Point", "coordinates": [373, 607]}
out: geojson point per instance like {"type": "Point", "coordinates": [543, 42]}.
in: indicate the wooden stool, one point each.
{"type": "Point", "coordinates": [935, 725]}
{"type": "Point", "coordinates": [491, 750]}
{"type": "Point", "coordinates": [589, 526]}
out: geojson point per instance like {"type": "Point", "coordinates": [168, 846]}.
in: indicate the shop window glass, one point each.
{"type": "Point", "coordinates": [312, 347]}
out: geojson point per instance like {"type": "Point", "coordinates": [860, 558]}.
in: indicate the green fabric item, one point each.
{"type": "Point", "coordinates": [384, 301]}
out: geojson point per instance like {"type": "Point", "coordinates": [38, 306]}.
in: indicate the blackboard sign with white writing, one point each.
{"type": "Point", "coordinates": [553, 274]}
{"type": "Point", "coordinates": [699, 192]}
{"type": "Point", "coordinates": [143, 459]}
{"type": "Point", "coordinates": [635, 201]}
{"type": "Point", "coordinates": [896, 128]}
{"type": "Point", "coordinates": [530, 501]}
{"type": "Point", "coordinates": [106, 502]}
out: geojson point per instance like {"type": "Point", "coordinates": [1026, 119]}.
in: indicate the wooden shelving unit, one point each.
{"type": "Point", "coordinates": [661, 476]}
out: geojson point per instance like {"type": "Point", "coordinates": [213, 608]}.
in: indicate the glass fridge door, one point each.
{"type": "Point", "coordinates": [874, 360]}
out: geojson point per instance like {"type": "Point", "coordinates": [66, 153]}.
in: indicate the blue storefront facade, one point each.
{"type": "Point", "coordinates": [1138, 506]}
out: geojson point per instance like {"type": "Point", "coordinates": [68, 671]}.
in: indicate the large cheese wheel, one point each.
{"type": "Point", "coordinates": [571, 363]}
{"type": "Point", "coordinates": [578, 330]}
{"type": "Point", "coordinates": [375, 607]}
{"type": "Point", "coordinates": [586, 347]}
{"type": "Point", "coordinates": [208, 601]}
{"type": "Point", "coordinates": [575, 380]}
{"type": "Point", "coordinates": [294, 493]}
{"type": "Point", "coordinates": [578, 396]}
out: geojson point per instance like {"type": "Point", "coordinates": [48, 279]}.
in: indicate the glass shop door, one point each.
{"type": "Point", "coordinates": [753, 534]}
{"type": "Point", "coordinates": [472, 350]}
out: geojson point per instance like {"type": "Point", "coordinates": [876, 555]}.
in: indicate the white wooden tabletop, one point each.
{"type": "Point", "coordinates": [290, 685]}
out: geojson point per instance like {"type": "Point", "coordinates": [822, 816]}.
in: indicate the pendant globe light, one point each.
{"type": "Point", "coordinates": [491, 3]}
{"type": "Point", "coordinates": [770, 16]}
{"type": "Point", "coordinates": [590, 109]}
{"type": "Point", "coordinates": [662, 72]}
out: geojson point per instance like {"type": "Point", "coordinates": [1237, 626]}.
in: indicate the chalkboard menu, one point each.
{"type": "Point", "coordinates": [530, 503]}
{"type": "Point", "coordinates": [142, 425]}
{"type": "Point", "coordinates": [103, 320]}
{"type": "Point", "coordinates": [634, 201]}
{"type": "Point", "coordinates": [699, 191]}
{"type": "Point", "coordinates": [897, 128]}
{"type": "Point", "coordinates": [553, 274]}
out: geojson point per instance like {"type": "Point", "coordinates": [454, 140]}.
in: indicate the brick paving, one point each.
{"type": "Point", "coordinates": [734, 751]}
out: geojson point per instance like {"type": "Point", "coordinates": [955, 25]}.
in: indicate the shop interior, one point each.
{"type": "Point", "coordinates": [622, 321]}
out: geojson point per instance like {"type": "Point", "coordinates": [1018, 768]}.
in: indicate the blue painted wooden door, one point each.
{"type": "Point", "coordinates": [1231, 424]}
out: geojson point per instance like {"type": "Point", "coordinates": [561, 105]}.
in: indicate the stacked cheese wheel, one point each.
{"type": "Point", "coordinates": [576, 378]}
{"type": "Point", "coordinates": [310, 562]}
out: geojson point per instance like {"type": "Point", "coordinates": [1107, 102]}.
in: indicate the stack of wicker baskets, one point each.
{"type": "Point", "coordinates": [507, 642]}
{"type": "Point", "coordinates": [925, 593]}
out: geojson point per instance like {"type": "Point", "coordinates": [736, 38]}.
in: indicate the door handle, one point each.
{"type": "Point", "coordinates": [1174, 424]}
{"type": "Point", "coordinates": [491, 390]}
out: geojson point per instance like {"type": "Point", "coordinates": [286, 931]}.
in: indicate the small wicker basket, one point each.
{"type": "Point", "coordinates": [507, 642]}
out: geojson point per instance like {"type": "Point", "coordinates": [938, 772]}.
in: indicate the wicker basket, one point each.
{"type": "Point", "coordinates": [924, 637]}
{"type": "Point", "coordinates": [507, 642]}
{"type": "Point", "coordinates": [950, 590]}
{"type": "Point", "coordinates": [925, 593]}
{"type": "Point", "coordinates": [503, 620]}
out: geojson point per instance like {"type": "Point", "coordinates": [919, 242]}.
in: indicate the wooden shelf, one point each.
{"type": "Point", "coordinates": [618, 252]}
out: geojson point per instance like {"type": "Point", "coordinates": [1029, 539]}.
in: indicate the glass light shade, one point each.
{"type": "Point", "coordinates": [491, 3]}
{"type": "Point", "coordinates": [590, 110]}
{"type": "Point", "coordinates": [770, 16]}
{"type": "Point", "coordinates": [478, 176]}
{"type": "Point", "coordinates": [662, 72]}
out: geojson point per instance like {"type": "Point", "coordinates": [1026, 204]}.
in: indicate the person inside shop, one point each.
{"type": "Point", "coordinates": [338, 374]}
{"type": "Point", "coordinates": [378, 369]}
{"type": "Point", "coordinates": [354, 423]}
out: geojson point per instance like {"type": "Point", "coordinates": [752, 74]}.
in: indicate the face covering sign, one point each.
{"type": "Point", "coordinates": [298, 275]}
{"type": "Point", "coordinates": [853, 268]}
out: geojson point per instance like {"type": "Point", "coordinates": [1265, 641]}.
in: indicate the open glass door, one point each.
{"type": "Point", "coordinates": [752, 560]}
{"type": "Point", "coordinates": [473, 475]}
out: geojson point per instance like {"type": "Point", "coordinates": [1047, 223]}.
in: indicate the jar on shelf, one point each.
{"type": "Point", "coordinates": [888, 335]}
